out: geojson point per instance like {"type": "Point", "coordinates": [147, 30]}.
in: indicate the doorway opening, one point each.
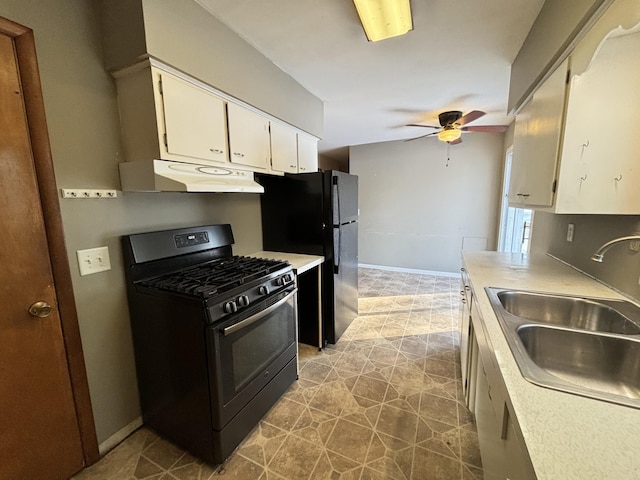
{"type": "Point", "coordinates": [515, 223]}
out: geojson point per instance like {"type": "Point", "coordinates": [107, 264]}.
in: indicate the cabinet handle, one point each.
{"type": "Point", "coordinates": [302, 168]}
{"type": "Point", "coordinates": [505, 423]}
{"type": "Point", "coordinates": [464, 300]}
{"type": "Point", "coordinates": [292, 166]}
{"type": "Point", "coordinates": [238, 154]}
{"type": "Point", "coordinates": [216, 150]}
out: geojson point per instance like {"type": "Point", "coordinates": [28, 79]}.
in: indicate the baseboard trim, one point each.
{"type": "Point", "coordinates": [409, 270]}
{"type": "Point", "coordinates": [119, 436]}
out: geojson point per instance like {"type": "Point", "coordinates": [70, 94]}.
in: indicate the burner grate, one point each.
{"type": "Point", "coordinates": [216, 276]}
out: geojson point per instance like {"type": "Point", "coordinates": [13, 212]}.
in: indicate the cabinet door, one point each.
{"type": "Point", "coordinates": [284, 148]}
{"type": "Point", "coordinates": [598, 172]}
{"type": "Point", "coordinates": [465, 332]}
{"type": "Point", "coordinates": [195, 125]}
{"type": "Point", "coordinates": [492, 447]}
{"type": "Point", "coordinates": [249, 142]}
{"type": "Point", "coordinates": [307, 154]}
{"type": "Point", "coordinates": [536, 142]}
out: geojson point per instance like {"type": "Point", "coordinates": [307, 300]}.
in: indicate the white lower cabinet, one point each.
{"type": "Point", "coordinates": [465, 332]}
{"type": "Point", "coordinates": [502, 448]}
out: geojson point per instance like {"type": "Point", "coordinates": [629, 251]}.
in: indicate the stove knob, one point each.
{"type": "Point", "coordinates": [263, 290]}
{"type": "Point", "coordinates": [230, 307]}
{"type": "Point", "coordinates": [283, 280]}
{"type": "Point", "coordinates": [243, 301]}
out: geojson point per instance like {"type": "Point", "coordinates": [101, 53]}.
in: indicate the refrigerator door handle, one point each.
{"type": "Point", "coordinates": [337, 237]}
{"type": "Point", "coordinates": [335, 201]}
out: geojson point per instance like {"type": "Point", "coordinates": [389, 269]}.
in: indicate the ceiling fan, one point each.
{"type": "Point", "coordinates": [452, 124]}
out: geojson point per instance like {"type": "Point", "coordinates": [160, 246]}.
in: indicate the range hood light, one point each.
{"type": "Point", "coordinates": [449, 134]}
{"type": "Point", "coordinates": [384, 18]}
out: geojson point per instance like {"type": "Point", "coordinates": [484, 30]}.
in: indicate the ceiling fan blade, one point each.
{"type": "Point", "coordinates": [470, 117]}
{"type": "Point", "coordinates": [486, 128]}
{"type": "Point", "coordinates": [420, 125]}
{"type": "Point", "coordinates": [456, 141]}
{"type": "Point", "coordinates": [421, 136]}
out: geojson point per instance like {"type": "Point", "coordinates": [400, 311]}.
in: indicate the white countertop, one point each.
{"type": "Point", "coordinates": [567, 436]}
{"type": "Point", "coordinates": [300, 262]}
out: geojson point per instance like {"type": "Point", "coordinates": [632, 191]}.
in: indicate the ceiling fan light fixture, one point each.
{"type": "Point", "coordinates": [449, 134]}
{"type": "Point", "coordinates": [384, 18]}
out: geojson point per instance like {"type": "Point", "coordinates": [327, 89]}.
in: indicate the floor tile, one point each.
{"type": "Point", "coordinates": [384, 403]}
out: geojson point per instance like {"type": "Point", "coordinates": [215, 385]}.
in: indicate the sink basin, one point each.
{"type": "Point", "coordinates": [605, 364]}
{"type": "Point", "coordinates": [582, 345]}
{"type": "Point", "coordinates": [573, 312]}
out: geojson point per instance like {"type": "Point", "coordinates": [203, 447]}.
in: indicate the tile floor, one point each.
{"type": "Point", "coordinates": [383, 403]}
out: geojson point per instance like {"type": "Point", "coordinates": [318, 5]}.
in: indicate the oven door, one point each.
{"type": "Point", "coordinates": [248, 350]}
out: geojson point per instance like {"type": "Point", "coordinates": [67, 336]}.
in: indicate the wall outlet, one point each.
{"type": "Point", "coordinates": [87, 193]}
{"type": "Point", "coordinates": [93, 260]}
{"type": "Point", "coordinates": [570, 229]}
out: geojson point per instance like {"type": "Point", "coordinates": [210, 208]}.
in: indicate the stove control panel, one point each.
{"type": "Point", "coordinates": [189, 239]}
{"type": "Point", "coordinates": [251, 294]}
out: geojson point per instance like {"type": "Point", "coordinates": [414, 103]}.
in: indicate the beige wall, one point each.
{"type": "Point", "coordinates": [82, 116]}
{"type": "Point", "coordinates": [418, 213]}
{"type": "Point", "coordinates": [184, 35]}
{"type": "Point", "coordinates": [621, 266]}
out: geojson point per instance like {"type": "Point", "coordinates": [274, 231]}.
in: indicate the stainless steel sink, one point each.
{"type": "Point", "coordinates": [581, 345]}
{"type": "Point", "coordinates": [594, 362]}
{"type": "Point", "coordinates": [573, 312]}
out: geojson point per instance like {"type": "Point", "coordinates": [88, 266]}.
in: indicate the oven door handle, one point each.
{"type": "Point", "coordinates": [254, 318]}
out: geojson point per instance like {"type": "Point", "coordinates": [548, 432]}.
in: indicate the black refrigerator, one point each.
{"type": "Point", "coordinates": [317, 214]}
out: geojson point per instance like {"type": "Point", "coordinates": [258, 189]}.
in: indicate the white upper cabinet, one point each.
{"type": "Point", "coordinates": [599, 170]}
{"type": "Point", "coordinates": [284, 148]}
{"type": "Point", "coordinates": [536, 142]}
{"type": "Point", "coordinates": [307, 153]}
{"type": "Point", "coordinates": [167, 115]}
{"type": "Point", "coordinates": [195, 123]}
{"type": "Point", "coordinates": [292, 152]}
{"type": "Point", "coordinates": [577, 152]}
{"type": "Point", "coordinates": [167, 118]}
{"type": "Point", "coordinates": [249, 142]}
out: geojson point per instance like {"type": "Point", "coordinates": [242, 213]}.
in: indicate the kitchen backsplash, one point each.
{"type": "Point", "coordinates": [621, 266]}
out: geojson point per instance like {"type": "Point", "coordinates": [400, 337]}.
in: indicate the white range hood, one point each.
{"type": "Point", "coordinates": [163, 176]}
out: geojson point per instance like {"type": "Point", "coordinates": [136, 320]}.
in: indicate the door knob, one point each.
{"type": "Point", "coordinates": [40, 309]}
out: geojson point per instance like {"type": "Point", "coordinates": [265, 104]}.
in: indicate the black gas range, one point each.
{"type": "Point", "coordinates": [214, 335]}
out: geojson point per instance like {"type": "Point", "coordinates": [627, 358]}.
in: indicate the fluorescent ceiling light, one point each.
{"type": "Point", "coordinates": [384, 18]}
{"type": "Point", "coordinates": [449, 134]}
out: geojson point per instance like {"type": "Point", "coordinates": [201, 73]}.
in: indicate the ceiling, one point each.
{"type": "Point", "coordinates": [457, 57]}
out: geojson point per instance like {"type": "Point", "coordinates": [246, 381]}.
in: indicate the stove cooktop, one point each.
{"type": "Point", "coordinates": [215, 277]}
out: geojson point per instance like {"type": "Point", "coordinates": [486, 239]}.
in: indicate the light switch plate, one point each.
{"type": "Point", "coordinates": [93, 260]}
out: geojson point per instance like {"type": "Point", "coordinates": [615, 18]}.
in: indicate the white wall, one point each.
{"type": "Point", "coordinates": [416, 212]}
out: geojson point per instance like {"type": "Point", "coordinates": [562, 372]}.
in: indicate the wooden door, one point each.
{"type": "Point", "coordinates": [42, 412]}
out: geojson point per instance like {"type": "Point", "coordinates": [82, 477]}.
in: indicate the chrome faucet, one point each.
{"type": "Point", "coordinates": [598, 256]}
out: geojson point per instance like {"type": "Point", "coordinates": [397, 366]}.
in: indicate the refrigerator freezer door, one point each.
{"type": "Point", "coordinates": [345, 281]}
{"type": "Point", "coordinates": [344, 198]}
